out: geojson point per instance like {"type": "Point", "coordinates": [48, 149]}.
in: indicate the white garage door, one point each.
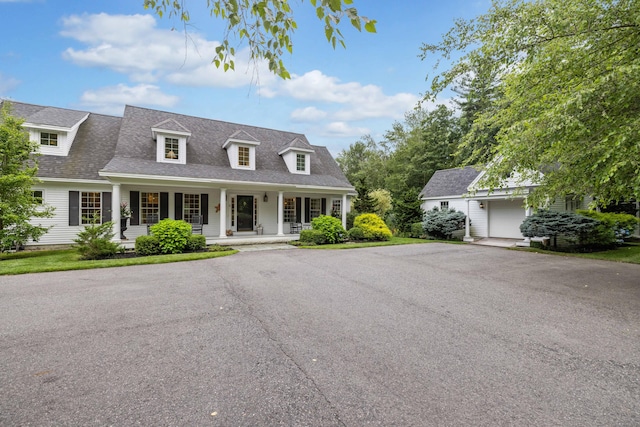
{"type": "Point", "coordinates": [505, 217]}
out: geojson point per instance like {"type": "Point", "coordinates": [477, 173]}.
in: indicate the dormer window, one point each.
{"type": "Point", "coordinates": [171, 141]}
{"type": "Point", "coordinates": [50, 139]}
{"type": "Point", "coordinates": [243, 156]}
{"type": "Point", "coordinates": [301, 162]}
{"type": "Point", "coordinates": [241, 150]}
{"type": "Point", "coordinates": [171, 148]}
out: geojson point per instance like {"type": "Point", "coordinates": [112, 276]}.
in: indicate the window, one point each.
{"type": "Point", "coordinates": [572, 203]}
{"type": "Point", "coordinates": [38, 195]}
{"type": "Point", "coordinates": [243, 156]}
{"type": "Point", "coordinates": [314, 208]}
{"type": "Point", "coordinates": [149, 208]}
{"type": "Point", "coordinates": [289, 210]}
{"type": "Point", "coordinates": [191, 207]}
{"type": "Point", "coordinates": [336, 208]}
{"type": "Point", "coordinates": [301, 162]}
{"type": "Point", "coordinates": [50, 139]}
{"type": "Point", "coordinates": [171, 148]}
{"type": "Point", "coordinates": [444, 205]}
{"type": "Point", "coordinates": [90, 206]}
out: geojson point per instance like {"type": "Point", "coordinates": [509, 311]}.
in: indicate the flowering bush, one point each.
{"type": "Point", "coordinates": [125, 212]}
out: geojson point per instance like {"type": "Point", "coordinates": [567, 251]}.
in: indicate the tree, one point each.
{"type": "Point", "coordinates": [381, 201]}
{"type": "Point", "coordinates": [267, 26]}
{"type": "Point", "coordinates": [364, 162]}
{"type": "Point", "coordinates": [569, 72]}
{"type": "Point", "coordinates": [407, 210]}
{"type": "Point", "coordinates": [364, 203]}
{"type": "Point", "coordinates": [18, 169]}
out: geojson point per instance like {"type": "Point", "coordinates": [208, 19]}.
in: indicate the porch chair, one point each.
{"type": "Point", "coordinates": [196, 224]}
{"type": "Point", "coordinates": [295, 227]}
{"type": "Point", "coordinates": [152, 219]}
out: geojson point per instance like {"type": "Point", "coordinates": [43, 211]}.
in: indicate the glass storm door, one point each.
{"type": "Point", "coordinates": [245, 213]}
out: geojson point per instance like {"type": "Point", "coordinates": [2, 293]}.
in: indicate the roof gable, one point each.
{"type": "Point", "coordinates": [450, 182]}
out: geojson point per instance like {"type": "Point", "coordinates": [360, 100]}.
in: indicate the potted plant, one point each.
{"type": "Point", "coordinates": [125, 214]}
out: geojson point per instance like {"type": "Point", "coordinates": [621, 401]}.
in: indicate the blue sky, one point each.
{"type": "Point", "coordinates": [101, 55]}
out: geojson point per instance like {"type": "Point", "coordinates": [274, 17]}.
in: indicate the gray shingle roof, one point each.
{"type": "Point", "coordinates": [206, 159]}
{"type": "Point", "coordinates": [450, 182]}
{"type": "Point", "coordinates": [59, 117]}
{"type": "Point", "coordinates": [170, 125]}
{"type": "Point", "coordinates": [242, 136]}
{"type": "Point", "coordinates": [297, 143]}
{"type": "Point", "coordinates": [94, 145]}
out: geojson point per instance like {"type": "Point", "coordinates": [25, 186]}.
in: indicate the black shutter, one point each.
{"type": "Point", "coordinates": [106, 207]}
{"type": "Point", "coordinates": [298, 209]}
{"type": "Point", "coordinates": [134, 205]}
{"type": "Point", "coordinates": [74, 208]}
{"type": "Point", "coordinates": [307, 210]}
{"type": "Point", "coordinates": [324, 207]}
{"type": "Point", "coordinates": [164, 206]}
{"type": "Point", "coordinates": [204, 208]}
{"type": "Point", "coordinates": [178, 207]}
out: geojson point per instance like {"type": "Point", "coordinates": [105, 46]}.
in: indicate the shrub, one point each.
{"type": "Point", "coordinates": [330, 227]}
{"type": "Point", "coordinates": [172, 235]}
{"type": "Point", "coordinates": [622, 225]}
{"type": "Point", "coordinates": [196, 242]}
{"type": "Point", "coordinates": [355, 234]}
{"type": "Point", "coordinates": [351, 215]}
{"type": "Point", "coordinates": [416, 230]}
{"type": "Point", "coordinates": [218, 248]}
{"type": "Point", "coordinates": [312, 236]}
{"type": "Point", "coordinates": [94, 242]}
{"type": "Point", "coordinates": [373, 227]}
{"type": "Point", "coordinates": [147, 245]}
{"type": "Point", "coordinates": [575, 229]}
{"type": "Point", "coordinates": [441, 224]}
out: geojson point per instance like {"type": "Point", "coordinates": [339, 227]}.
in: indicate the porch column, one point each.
{"type": "Point", "coordinates": [344, 211]}
{"type": "Point", "coordinates": [467, 226]}
{"type": "Point", "coordinates": [280, 213]}
{"type": "Point", "coordinates": [223, 213]}
{"type": "Point", "coordinates": [115, 211]}
{"type": "Point", "coordinates": [527, 213]}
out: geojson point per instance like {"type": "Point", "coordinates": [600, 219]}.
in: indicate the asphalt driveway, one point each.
{"type": "Point", "coordinates": [414, 335]}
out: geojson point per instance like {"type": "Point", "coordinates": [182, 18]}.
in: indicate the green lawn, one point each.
{"type": "Point", "coordinates": [64, 260]}
{"type": "Point", "coordinates": [630, 252]}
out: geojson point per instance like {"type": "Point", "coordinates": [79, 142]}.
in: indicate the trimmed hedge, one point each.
{"type": "Point", "coordinates": [196, 242]}
{"type": "Point", "coordinates": [312, 236]}
{"type": "Point", "coordinates": [147, 245]}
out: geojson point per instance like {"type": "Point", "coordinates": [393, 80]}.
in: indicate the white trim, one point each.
{"type": "Point", "coordinates": [78, 181]}
{"type": "Point", "coordinates": [159, 131]}
{"type": "Point", "coordinates": [302, 150]}
{"type": "Point", "coordinates": [53, 127]}
{"type": "Point", "coordinates": [239, 142]}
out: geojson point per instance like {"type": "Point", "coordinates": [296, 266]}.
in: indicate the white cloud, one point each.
{"type": "Point", "coordinates": [308, 114]}
{"type": "Point", "coordinates": [342, 130]}
{"type": "Point", "coordinates": [7, 84]}
{"type": "Point", "coordinates": [109, 100]}
{"type": "Point", "coordinates": [132, 45]}
{"type": "Point", "coordinates": [359, 101]}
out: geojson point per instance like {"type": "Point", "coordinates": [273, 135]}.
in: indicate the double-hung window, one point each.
{"type": "Point", "coordinates": [171, 148]}
{"type": "Point", "coordinates": [336, 208]}
{"type": "Point", "coordinates": [90, 206]}
{"type": "Point", "coordinates": [149, 208]}
{"type": "Point", "coordinates": [314, 208]}
{"type": "Point", "coordinates": [444, 205]}
{"type": "Point", "coordinates": [289, 210]}
{"type": "Point", "coordinates": [301, 162]}
{"type": "Point", "coordinates": [243, 156]}
{"type": "Point", "coordinates": [191, 207]}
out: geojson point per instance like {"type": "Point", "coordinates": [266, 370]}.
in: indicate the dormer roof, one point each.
{"type": "Point", "coordinates": [56, 118]}
{"type": "Point", "coordinates": [240, 137]}
{"type": "Point", "coordinates": [170, 126]}
{"type": "Point", "coordinates": [297, 145]}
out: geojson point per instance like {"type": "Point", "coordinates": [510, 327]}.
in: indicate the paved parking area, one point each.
{"type": "Point", "coordinates": [414, 335]}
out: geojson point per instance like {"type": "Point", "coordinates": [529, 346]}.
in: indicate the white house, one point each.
{"type": "Point", "coordinates": [235, 179]}
{"type": "Point", "coordinates": [489, 214]}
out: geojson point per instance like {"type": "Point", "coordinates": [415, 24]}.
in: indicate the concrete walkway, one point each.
{"type": "Point", "coordinates": [499, 242]}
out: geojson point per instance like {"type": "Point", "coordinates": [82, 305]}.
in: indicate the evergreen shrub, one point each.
{"type": "Point", "coordinates": [355, 234]}
{"type": "Point", "coordinates": [312, 236]}
{"type": "Point", "coordinates": [196, 242]}
{"type": "Point", "coordinates": [576, 230]}
{"type": "Point", "coordinates": [373, 227]}
{"type": "Point", "coordinates": [147, 245]}
{"type": "Point", "coordinates": [95, 241]}
{"type": "Point", "coordinates": [416, 230]}
{"type": "Point", "coordinates": [442, 223]}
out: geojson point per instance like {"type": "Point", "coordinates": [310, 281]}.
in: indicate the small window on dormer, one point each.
{"type": "Point", "coordinates": [243, 156]}
{"type": "Point", "coordinates": [50, 139]}
{"type": "Point", "coordinates": [301, 162]}
{"type": "Point", "coordinates": [171, 147]}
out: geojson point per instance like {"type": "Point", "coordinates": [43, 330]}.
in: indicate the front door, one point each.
{"type": "Point", "coordinates": [245, 213]}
